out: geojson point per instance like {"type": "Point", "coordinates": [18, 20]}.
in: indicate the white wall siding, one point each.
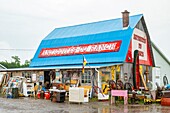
{"type": "Point", "coordinates": [163, 64]}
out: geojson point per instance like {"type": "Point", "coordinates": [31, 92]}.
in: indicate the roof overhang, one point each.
{"type": "Point", "coordinates": [60, 67]}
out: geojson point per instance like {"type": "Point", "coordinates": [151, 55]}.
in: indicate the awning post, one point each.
{"type": "Point", "coordinates": [98, 80]}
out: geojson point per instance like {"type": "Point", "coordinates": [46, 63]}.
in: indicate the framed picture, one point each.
{"type": "Point", "coordinates": [41, 78]}
{"type": "Point", "coordinates": [34, 77]}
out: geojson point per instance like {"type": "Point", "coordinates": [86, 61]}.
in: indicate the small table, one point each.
{"type": "Point", "coordinates": [123, 93]}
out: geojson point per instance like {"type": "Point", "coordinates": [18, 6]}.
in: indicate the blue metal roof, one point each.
{"type": "Point", "coordinates": [103, 31]}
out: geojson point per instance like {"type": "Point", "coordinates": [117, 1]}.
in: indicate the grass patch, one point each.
{"type": "Point", "coordinates": [94, 99]}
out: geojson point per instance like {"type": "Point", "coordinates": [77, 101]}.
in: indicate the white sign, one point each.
{"type": "Point", "coordinates": [139, 42]}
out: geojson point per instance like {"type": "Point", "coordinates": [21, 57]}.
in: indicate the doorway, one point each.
{"type": "Point", "coordinates": [47, 79]}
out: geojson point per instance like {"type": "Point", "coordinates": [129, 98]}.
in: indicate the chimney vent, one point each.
{"type": "Point", "coordinates": [125, 18]}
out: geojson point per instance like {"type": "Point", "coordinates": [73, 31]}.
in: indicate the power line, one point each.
{"type": "Point", "coordinates": [17, 49]}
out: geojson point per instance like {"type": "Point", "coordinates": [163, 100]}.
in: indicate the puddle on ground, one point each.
{"type": "Point", "coordinates": [154, 108]}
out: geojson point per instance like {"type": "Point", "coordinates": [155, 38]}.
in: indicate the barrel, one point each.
{"type": "Point", "coordinates": [15, 93]}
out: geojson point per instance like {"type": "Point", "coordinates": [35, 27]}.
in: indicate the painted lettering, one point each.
{"type": "Point", "coordinates": [81, 49]}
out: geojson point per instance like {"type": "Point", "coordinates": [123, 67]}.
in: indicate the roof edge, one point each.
{"type": "Point", "coordinates": [3, 66]}
{"type": "Point", "coordinates": [95, 21]}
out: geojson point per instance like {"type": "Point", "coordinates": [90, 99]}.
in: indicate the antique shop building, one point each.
{"type": "Point", "coordinates": [114, 49]}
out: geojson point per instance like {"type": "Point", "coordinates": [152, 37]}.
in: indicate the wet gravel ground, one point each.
{"type": "Point", "coordinates": [31, 105]}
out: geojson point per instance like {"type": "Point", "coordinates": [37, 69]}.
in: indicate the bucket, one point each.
{"type": "Point", "coordinates": [47, 95]}
{"type": "Point", "coordinates": [38, 95]}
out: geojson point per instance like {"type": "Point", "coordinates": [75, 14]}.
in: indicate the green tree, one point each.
{"type": "Point", "coordinates": [16, 59]}
{"type": "Point", "coordinates": [15, 63]}
{"type": "Point", "coordinates": [26, 64]}
{"type": "Point", "coordinates": [5, 63]}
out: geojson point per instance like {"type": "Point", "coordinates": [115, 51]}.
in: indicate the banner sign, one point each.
{"type": "Point", "coordinates": [81, 49]}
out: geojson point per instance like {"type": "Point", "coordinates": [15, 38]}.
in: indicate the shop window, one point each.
{"type": "Point", "coordinates": [86, 77]}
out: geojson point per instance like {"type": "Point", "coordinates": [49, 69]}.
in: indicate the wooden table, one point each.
{"type": "Point", "coordinates": [123, 93]}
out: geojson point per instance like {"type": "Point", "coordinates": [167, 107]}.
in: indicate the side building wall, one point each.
{"type": "Point", "coordinates": [163, 64]}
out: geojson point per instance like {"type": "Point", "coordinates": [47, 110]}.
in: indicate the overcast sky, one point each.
{"type": "Point", "coordinates": [24, 23]}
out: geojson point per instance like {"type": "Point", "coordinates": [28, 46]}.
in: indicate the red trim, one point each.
{"type": "Point", "coordinates": [129, 54]}
{"type": "Point", "coordinates": [150, 63]}
{"type": "Point", "coordinates": [81, 49]}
